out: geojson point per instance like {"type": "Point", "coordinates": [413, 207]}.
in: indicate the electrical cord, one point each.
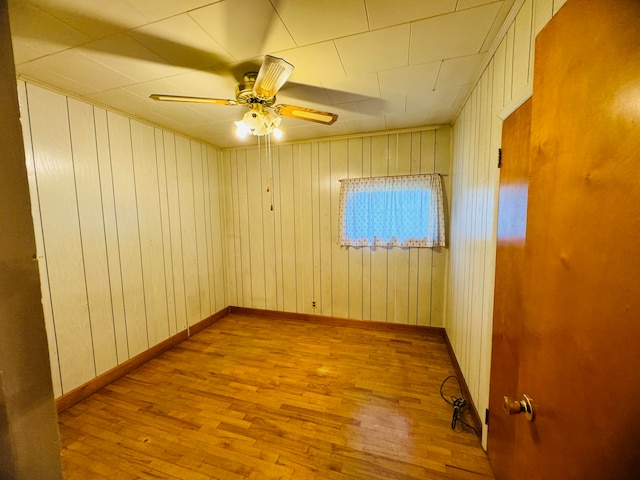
{"type": "Point", "coordinates": [458, 404]}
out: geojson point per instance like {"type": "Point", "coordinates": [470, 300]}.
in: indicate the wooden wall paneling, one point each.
{"type": "Point", "coordinates": [255, 217]}
{"type": "Point", "coordinates": [367, 159]}
{"type": "Point", "coordinates": [206, 190]}
{"type": "Point", "coordinates": [542, 13]}
{"type": "Point", "coordinates": [37, 220]}
{"type": "Point", "coordinates": [92, 234]}
{"type": "Point", "coordinates": [220, 251]}
{"type": "Point", "coordinates": [243, 237]}
{"type": "Point", "coordinates": [232, 215]}
{"type": "Point", "coordinates": [338, 151]}
{"type": "Point", "coordinates": [522, 61]}
{"type": "Point", "coordinates": [124, 190]}
{"type": "Point", "coordinates": [112, 246]}
{"type": "Point", "coordinates": [437, 270]}
{"type": "Point", "coordinates": [175, 230]}
{"type": "Point", "coordinates": [508, 72]}
{"type": "Point", "coordinates": [272, 197]}
{"type": "Point", "coordinates": [150, 226]}
{"type": "Point", "coordinates": [287, 229]}
{"type": "Point", "coordinates": [303, 200]}
{"type": "Point", "coordinates": [417, 256]}
{"type": "Point", "coordinates": [61, 232]}
{"type": "Point", "coordinates": [401, 267]}
{"type": "Point", "coordinates": [166, 232]}
{"type": "Point", "coordinates": [391, 253]}
{"type": "Point", "coordinates": [355, 281]}
{"type": "Point", "coordinates": [315, 222]}
{"type": "Point", "coordinates": [557, 4]}
{"type": "Point", "coordinates": [271, 292]}
{"type": "Point", "coordinates": [188, 229]}
{"type": "Point", "coordinates": [379, 263]}
{"type": "Point", "coordinates": [325, 244]}
{"type": "Point", "coordinates": [426, 150]}
{"type": "Point", "coordinates": [200, 224]}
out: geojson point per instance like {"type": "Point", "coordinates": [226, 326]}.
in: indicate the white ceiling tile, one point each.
{"type": "Point", "coordinates": [405, 120]}
{"type": "Point", "coordinates": [203, 84]}
{"type": "Point", "coordinates": [82, 70]}
{"type": "Point", "coordinates": [37, 70]}
{"type": "Point", "coordinates": [458, 71]}
{"type": "Point", "coordinates": [365, 124]}
{"type": "Point", "coordinates": [181, 41]}
{"type": "Point", "coordinates": [465, 4]}
{"type": "Point", "coordinates": [314, 63]}
{"type": "Point", "coordinates": [123, 54]}
{"type": "Point", "coordinates": [153, 10]}
{"type": "Point", "coordinates": [37, 33]}
{"type": "Point", "coordinates": [453, 35]}
{"type": "Point", "coordinates": [353, 88]}
{"type": "Point", "coordinates": [95, 18]}
{"type": "Point", "coordinates": [383, 13]}
{"type": "Point", "coordinates": [317, 21]}
{"type": "Point", "coordinates": [244, 28]}
{"type": "Point", "coordinates": [407, 79]}
{"type": "Point", "coordinates": [375, 51]}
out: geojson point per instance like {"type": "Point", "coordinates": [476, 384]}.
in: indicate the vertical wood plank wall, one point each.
{"type": "Point", "coordinates": [476, 138]}
{"type": "Point", "coordinates": [286, 258]}
{"type": "Point", "coordinates": [128, 230]}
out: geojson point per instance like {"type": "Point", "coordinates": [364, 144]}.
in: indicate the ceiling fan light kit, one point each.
{"type": "Point", "coordinates": [257, 92]}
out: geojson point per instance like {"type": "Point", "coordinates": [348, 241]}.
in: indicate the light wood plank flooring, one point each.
{"type": "Point", "coordinates": [262, 398]}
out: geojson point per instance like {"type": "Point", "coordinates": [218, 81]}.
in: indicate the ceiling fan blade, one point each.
{"type": "Point", "coordinates": [181, 98]}
{"type": "Point", "coordinates": [308, 114]}
{"type": "Point", "coordinates": [271, 76]}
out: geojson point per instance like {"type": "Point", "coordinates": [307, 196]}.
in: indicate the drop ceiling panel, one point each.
{"type": "Point", "coordinates": [314, 63]}
{"type": "Point", "coordinates": [453, 35]}
{"type": "Point", "coordinates": [158, 9]}
{"type": "Point", "coordinates": [123, 54]}
{"type": "Point", "coordinates": [383, 13]}
{"type": "Point", "coordinates": [317, 21]}
{"type": "Point", "coordinates": [95, 18]}
{"type": "Point", "coordinates": [244, 28]}
{"type": "Point", "coordinates": [79, 68]}
{"type": "Point", "coordinates": [457, 71]}
{"type": "Point", "coordinates": [375, 51]}
{"type": "Point", "coordinates": [37, 33]}
{"type": "Point", "coordinates": [181, 41]}
{"type": "Point", "coordinates": [406, 79]}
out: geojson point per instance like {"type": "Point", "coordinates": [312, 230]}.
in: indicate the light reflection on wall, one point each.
{"type": "Point", "coordinates": [512, 213]}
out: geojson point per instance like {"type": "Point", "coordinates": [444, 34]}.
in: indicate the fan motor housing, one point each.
{"type": "Point", "coordinates": [244, 91]}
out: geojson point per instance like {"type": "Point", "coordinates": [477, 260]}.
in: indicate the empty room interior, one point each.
{"type": "Point", "coordinates": [297, 239]}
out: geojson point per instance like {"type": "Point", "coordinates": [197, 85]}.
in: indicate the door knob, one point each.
{"type": "Point", "coordinates": [514, 407]}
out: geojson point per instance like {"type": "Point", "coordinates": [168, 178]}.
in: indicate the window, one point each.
{"type": "Point", "coordinates": [404, 211]}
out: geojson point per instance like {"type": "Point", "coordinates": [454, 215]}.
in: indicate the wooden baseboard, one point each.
{"type": "Point", "coordinates": [463, 385]}
{"type": "Point", "coordinates": [339, 322]}
{"type": "Point", "coordinates": [83, 391]}
{"type": "Point", "coordinates": [80, 393]}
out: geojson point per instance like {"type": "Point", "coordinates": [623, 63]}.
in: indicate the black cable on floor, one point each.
{"type": "Point", "coordinates": [458, 404]}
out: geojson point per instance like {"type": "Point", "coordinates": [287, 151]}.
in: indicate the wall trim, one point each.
{"type": "Point", "coordinates": [338, 321]}
{"type": "Point", "coordinates": [92, 386]}
{"type": "Point", "coordinates": [463, 385]}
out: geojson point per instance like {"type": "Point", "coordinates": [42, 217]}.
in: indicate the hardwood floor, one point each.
{"type": "Point", "coordinates": [262, 398]}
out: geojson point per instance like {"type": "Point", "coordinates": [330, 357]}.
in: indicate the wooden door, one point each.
{"type": "Point", "coordinates": [507, 321]}
{"type": "Point", "coordinates": [580, 311]}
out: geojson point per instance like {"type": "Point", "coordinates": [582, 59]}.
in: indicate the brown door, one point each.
{"type": "Point", "coordinates": [507, 320]}
{"type": "Point", "coordinates": [578, 341]}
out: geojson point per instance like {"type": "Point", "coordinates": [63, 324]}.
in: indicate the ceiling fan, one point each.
{"type": "Point", "coordinates": [257, 92]}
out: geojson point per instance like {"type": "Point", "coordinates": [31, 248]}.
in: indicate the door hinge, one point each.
{"type": "Point", "coordinates": [499, 158]}
{"type": "Point", "coordinates": [486, 416]}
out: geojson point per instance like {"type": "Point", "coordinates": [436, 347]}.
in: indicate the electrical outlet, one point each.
{"type": "Point", "coordinates": [313, 304]}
